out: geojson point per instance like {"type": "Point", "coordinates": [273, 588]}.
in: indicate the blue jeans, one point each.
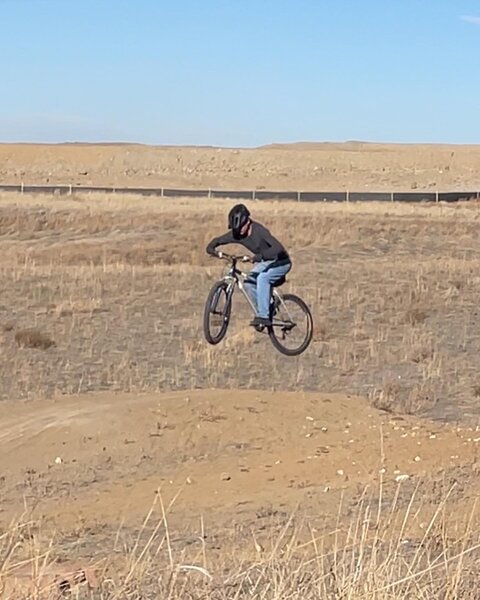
{"type": "Point", "coordinates": [258, 284]}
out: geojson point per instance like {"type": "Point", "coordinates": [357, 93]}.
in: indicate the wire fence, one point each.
{"type": "Point", "coordinates": [297, 196]}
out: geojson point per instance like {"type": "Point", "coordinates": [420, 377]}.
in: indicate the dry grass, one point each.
{"type": "Point", "coordinates": [349, 166]}
{"type": "Point", "coordinates": [119, 284]}
{"type": "Point", "coordinates": [379, 552]}
{"type": "Point", "coordinates": [33, 338]}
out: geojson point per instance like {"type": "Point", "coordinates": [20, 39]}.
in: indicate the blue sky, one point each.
{"type": "Point", "coordinates": [240, 72]}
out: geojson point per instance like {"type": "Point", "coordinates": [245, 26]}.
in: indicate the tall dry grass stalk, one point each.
{"type": "Point", "coordinates": [372, 555]}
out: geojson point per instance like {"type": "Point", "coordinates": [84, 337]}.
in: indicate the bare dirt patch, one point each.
{"type": "Point", "coordinates": [248, 471]}
{"type": "Point", "coordinates": [225, 451]}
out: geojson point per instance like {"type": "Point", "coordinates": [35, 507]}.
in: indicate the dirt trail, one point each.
{"type": "Point", "coordinates": [102, 458]}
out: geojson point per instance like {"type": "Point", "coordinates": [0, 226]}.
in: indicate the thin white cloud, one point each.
{"type": "Point", "coordinates": [471, 19]}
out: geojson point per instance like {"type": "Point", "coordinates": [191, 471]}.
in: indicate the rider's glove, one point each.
{"type": "Point", "coordinates": [219, 254]}
{"type": "Point", "coordinates": [246, 259]}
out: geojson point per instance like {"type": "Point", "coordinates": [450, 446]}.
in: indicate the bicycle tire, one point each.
{"type": "Point", "coordinates": [272, 331]}
{"type": "Point", "coordinates": [217, 288]}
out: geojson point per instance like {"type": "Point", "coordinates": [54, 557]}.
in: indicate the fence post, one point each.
{"type": "Point", "coordinates": [391, 196]}
{"type": "Point", "coordinates": [209, 192]}
{"type": "Point", "coordinates": [70, 190]}
{"type": "Point", "coordinates": [298, 196]}
{"type": "Point", "coordinates": [436, 196]}
{"type": "Point", "coordinates": [253, 195]}
{"type": "Point", "coordinates": [348, 195]}
{"type": "Point", "coordinates": [161, 192]}
{"type": "Point", "coordinates": [21, 188]}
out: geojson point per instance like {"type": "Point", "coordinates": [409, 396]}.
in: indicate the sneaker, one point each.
{"type": "Point", "coordinates": [260, 323]}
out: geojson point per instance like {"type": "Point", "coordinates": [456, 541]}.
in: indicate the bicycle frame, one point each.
{"type": "Point", "coordinates": [235, 278]}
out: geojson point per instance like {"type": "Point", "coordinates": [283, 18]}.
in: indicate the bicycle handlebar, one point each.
{"type": "Point", "coordinates": [232, 257]}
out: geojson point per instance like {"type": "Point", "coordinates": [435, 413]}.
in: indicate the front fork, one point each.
{"type": "Point", "coordinates": [228, 300]}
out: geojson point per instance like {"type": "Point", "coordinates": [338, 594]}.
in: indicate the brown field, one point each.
{"type": "Point", "coordinates": [134, 453]}
{"type": "Point", "coordinates": [354, 166]}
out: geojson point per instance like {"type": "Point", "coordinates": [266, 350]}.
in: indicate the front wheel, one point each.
{"type": "Point", "coordinates": [216, 316]}
{"type": "Point", "coordinates": [292, 325]}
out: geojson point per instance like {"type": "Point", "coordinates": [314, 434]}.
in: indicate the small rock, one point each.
{"type": "Point", "coordinates": [403, 477]}
{"type": "Point", "coordinates": [58, 460]}
{"type": "Point", "coordinates": [225, 477]}
{"type": "Point", "coordinates": [417, 459]}
{"type": "Point", "coordinates": [340, 472]}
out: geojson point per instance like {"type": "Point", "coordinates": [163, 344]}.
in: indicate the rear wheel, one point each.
{"type": "Point", "coordinates": [216, 316]}
{"type": "Point", "coordinates": [292, 325]}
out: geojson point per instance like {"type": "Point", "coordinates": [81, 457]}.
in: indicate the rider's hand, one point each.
{"type": "Point", "coordinates": [220, 254]}
{"type": "Point", "coordinates": [246, 259]}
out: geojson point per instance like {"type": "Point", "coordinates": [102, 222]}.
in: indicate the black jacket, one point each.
{"type": "Point", "coordinates": [260, 242]}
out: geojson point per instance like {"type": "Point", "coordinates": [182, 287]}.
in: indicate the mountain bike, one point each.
{"type": "Point", "coordinates": [292, 324]}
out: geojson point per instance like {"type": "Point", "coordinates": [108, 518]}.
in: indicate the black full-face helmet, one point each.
{"type": "Point", "coordinates": [237, 218]}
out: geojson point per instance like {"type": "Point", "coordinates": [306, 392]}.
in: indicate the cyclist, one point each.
{"type": "Point", "coordinates": [273, 261]}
